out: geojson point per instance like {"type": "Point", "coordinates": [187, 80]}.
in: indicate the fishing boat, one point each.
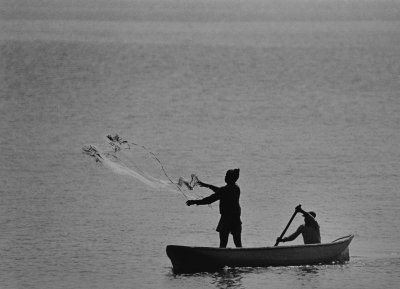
{"type": "Point", "coordinates": [186, 259]}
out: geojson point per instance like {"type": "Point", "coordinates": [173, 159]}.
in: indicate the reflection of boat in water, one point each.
{"type": "Point", "coordinates": [198, 259]}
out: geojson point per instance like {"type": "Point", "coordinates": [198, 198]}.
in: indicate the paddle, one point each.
{"type": "Point", "coordinates": [287, 226]}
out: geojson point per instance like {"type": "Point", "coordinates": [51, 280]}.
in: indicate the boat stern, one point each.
{"type": "Point", "coordinates": [188, 260]}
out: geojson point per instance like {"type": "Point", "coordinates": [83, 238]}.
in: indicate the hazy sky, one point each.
{"type": "Point", "coordinates": [201, 10]}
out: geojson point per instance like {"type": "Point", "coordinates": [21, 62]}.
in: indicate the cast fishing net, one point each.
{"type": "Point", "coordinates": [130, 159]}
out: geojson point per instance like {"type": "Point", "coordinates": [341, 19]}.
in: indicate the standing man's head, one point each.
{"type": "Point", "coordinates": [232, 176]}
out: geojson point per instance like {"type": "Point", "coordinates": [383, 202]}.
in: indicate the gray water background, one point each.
{"type": "Point", "coordinates": [306, 103]}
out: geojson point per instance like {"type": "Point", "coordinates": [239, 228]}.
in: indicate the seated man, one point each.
{"type": "Point", "coordinates": [309, 230]}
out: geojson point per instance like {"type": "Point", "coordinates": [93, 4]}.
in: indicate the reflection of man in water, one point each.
{"type": "Point", "coordinates": [229, 208]}
{"type": "Point", "coordinates": [309, 230]}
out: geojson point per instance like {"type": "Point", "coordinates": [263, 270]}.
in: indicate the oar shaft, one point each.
{"type": "Point", "coordinates": [287, 226]}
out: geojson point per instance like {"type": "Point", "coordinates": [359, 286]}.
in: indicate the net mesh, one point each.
{"type": "Point", "coordinates": [136, 161]}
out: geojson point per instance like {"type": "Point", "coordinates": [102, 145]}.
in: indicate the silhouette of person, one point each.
{"type": "Point", "coordinates": [229, 208]}
{"type": "Point", "coordinates": [309, 230]}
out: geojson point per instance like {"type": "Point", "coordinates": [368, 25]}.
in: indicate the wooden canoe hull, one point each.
{"type": "Point", "coordinates": [199, 259]}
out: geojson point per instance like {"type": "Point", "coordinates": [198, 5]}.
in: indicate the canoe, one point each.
{"type": "Point", "coordinates": [186, 259]}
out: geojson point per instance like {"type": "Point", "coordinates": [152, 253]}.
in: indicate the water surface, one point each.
{"type": "Point", "coordinates": [309, 110]}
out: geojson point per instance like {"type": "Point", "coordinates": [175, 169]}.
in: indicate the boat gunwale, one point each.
{"type": "Point", "coordinates": [344, 239]}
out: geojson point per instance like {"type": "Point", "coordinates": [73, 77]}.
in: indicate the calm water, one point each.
{"type": "Point", "coordinates": [310, 112]}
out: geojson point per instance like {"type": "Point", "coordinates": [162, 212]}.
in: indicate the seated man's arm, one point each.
{"type": "Point", "coordinates": [294, 235]}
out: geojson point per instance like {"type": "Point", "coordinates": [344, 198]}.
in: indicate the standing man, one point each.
{"type": "Point", "coordinates": [229, 208]}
